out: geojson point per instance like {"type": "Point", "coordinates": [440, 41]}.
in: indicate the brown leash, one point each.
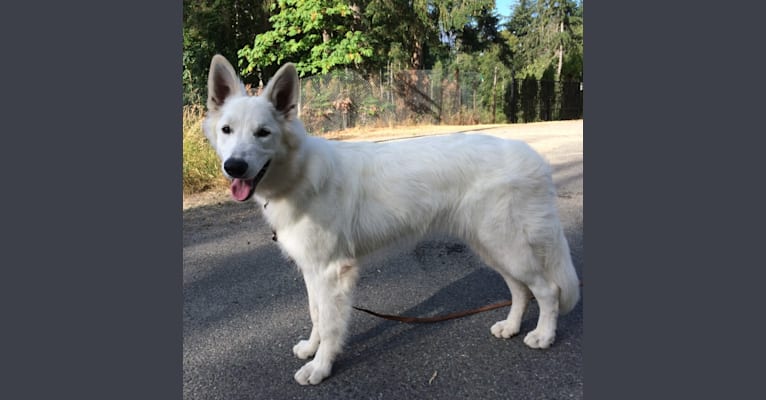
{"type": "Point", "coordinates": [439, 318]}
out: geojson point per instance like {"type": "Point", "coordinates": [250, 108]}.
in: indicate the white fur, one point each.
{"type": "Point", "coordinates": [334, 203]}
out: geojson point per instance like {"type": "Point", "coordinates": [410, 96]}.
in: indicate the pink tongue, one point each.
{"type": "Point", "coordinates": [240, 189]}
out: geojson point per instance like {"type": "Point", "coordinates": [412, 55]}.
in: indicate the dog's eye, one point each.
{"type": "Point", "coordinates": [226, 129]}
{"type": "Point", "coordinates": [263, 132]}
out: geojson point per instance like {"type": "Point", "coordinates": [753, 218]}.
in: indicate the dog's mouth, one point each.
{"type": "Point", "coordinates": [243, 189]}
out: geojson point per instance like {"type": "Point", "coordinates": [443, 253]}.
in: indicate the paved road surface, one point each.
{"type": "Point", "coordinates": [245, 307]}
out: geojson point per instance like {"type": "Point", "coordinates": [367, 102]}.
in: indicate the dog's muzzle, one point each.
{"type": "Point", "coordinates": [241, 188]}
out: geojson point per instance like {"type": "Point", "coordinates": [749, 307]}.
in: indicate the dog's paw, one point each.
{"type": "Point", "coordinates": [305, 349]}
{"type": "Point", "coordinates": [537, 339]}
{"type": "Point", "coordinates": [504, 329]}
{"type": "Point", "coordinates": [312, 373]}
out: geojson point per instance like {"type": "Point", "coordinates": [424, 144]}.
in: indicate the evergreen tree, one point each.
{"type": "Point", "coordinates": [545, 32]}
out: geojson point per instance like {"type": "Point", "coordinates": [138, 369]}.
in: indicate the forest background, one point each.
{"type": "Point", "coordinates": [448, 61]}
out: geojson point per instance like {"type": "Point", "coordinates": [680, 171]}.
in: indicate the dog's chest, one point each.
{"type": "Point", "coordinates": [281, 219]}
{"type": "Point", "coordinates": [302, 236]}
{"type": "Point", "coordinates": [274, 214]}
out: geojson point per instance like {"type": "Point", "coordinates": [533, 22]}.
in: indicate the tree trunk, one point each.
{"type": "Point", "coordinates": [561, 53]}
{"type": "Point", "coordinates": [357, 12]}
{"type": "Point", "coordinates": [417, 54]}
{"type": "Point", "coordinates": [458, 100]}
{"type": "Point", "coordinates": [494, 85]}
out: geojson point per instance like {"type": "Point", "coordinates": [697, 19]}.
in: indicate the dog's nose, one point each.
{"type": "Point", "coordinates": [235, 167]}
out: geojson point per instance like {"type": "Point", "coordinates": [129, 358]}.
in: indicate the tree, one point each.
{"type": "Point", "coordinates": [216, 26]}
{"type": "Point", "coordinates": [318, 35]}
{"type": "Point", "coordinates": [420, 32]}
{"type": "Point", "coordinates": [559, 20]}
{"type": "Point", "coordinates": [402, 32]}
{"type": "Point", "coordinates": [516, 31]}
{"type": "Point", "coordinates": [545, 32]}
{"type": "Point", "coordinates": [455, 15]}
{"type": "Point", "coordinates": [481, 32]}
{"type": "Point", "coordinates": [572, 40]}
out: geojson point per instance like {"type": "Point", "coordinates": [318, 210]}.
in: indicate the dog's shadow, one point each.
{"type": "Point", "coordinates": [479, 288]}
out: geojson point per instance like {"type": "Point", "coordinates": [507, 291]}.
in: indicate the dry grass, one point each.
{"type": "Point", "coordinates": [201, 170]}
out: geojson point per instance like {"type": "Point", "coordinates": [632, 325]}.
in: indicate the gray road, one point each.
{"type": "Point", "coordinates": [245, 307]}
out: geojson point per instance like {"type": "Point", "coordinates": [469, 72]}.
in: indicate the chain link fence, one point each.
{"type": "Point", "coordinates": [346, 99]}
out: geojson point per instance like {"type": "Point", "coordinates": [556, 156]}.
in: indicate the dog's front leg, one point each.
{"type": "Point", "coordinates": [306, 348]}
{"type": "Point", "coordinates": [331, 289]}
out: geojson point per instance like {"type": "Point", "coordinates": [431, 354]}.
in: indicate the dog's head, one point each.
{"type": "Point", "coordinates": [250, 133]}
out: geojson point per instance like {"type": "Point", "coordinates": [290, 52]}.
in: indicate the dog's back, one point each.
{"type": "Point", "coordinates": [444, 184]}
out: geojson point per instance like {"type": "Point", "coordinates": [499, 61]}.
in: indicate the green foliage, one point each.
{"type": "Point", "coordinates": [317, 35]}
{"type": "Point", "coordinates": [529, 92]}
{"type": "Point", "coordinates": [483, 75]}
{"type": "Point", "coordinates": [456, 38]}
{"type": "Point", "coordinates": [531, 99]}
{"type": "Point", "coordinates": [454, 16]}
{"type": "Point", "coordinates": [542, 33]}
{"type": "Point", "coordinates": [216, 27]}
{"type": "Point", "coordinates": [402, 32]}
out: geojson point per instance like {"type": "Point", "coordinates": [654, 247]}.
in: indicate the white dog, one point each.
{"type": "Point", "coordinates": [333, 203]}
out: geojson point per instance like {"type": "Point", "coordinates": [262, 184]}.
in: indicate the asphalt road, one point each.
{"type": "Point", "coordinates": [245, 306]}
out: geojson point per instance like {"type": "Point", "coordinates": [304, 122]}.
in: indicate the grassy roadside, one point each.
{"type": "Point", "coordinates": [201, 170]}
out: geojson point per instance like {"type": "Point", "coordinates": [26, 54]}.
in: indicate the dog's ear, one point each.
{"type": "Point", "coordinates": [222, 83]}
{"type": "Point", "coordinates": [282, 90]}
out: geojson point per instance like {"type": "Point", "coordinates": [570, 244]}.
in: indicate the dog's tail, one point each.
{"type": "Point", "coordinates": [558, 263]}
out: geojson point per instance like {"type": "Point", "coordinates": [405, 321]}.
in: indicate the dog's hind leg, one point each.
{"type": "Point", "coordinates": [520, 298]}
{"type": "Point", "coordinates": [333, 300]}
{"type": "Point", "coordinates": [493, 252]}
{"type": "Point", "coordinates": [547, 295]}
{"type": "Point", "coordinates": [522, 268]}
{"type": "Point", "coordinates": [529, 269]}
